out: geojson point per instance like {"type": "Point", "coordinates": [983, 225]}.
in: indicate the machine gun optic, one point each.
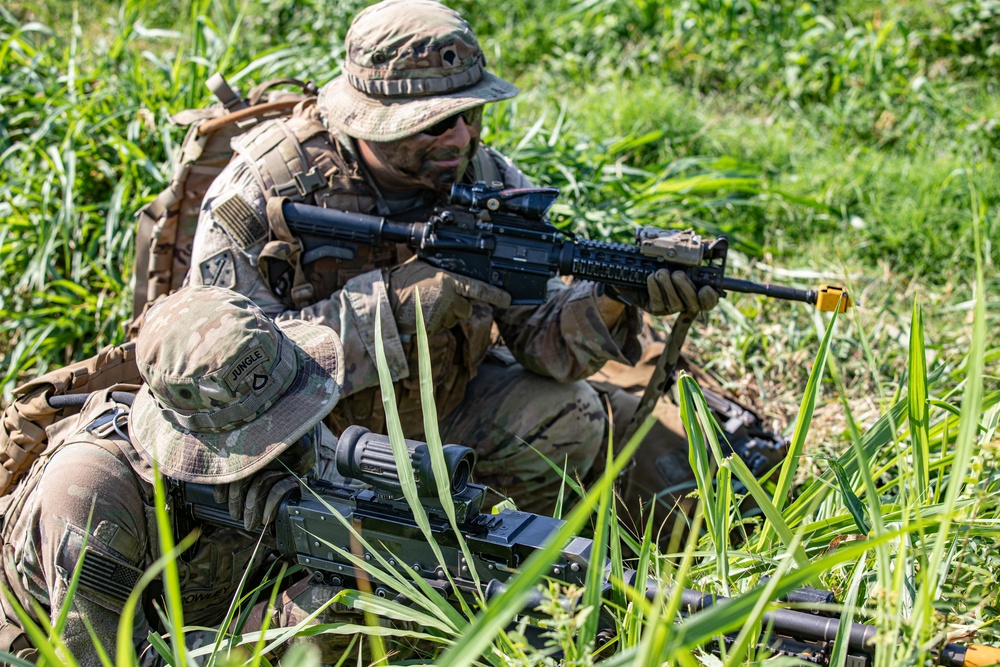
{"type": "Point", "coordinates": [368, 457]}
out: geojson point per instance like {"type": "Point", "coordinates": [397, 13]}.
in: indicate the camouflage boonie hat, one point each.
{"type": "Point", "coordinates": [409, 65]}
{"type": "Point", "coordinates": [227, 390]}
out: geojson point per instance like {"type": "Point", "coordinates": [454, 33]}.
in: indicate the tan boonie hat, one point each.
{"type": "Point", "coordinates": [226, 389]}
{"type": "Point", "coordinates": [409, 64]}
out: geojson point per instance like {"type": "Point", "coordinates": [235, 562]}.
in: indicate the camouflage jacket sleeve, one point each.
{"type": "Point", "coordinates": [565, 338]}
{"type": "Point", "coordinates": [220, 258]}
{"type": "Point", "coordinates": [52, 533]}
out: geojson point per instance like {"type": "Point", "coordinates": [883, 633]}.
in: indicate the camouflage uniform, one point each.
{"type": "Point", "coordinates": [409, 66]}
{"type": "Point", "coordinates": [210, 359]}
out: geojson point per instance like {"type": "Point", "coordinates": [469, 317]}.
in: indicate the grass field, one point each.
{"type": "Point", "coordinates": [847, 142]}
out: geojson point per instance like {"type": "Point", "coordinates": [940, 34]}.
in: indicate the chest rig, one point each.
{"type": "Point", "coordinates": [297, 158]}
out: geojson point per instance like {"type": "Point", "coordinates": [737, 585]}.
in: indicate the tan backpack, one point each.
{"type": "Point", "coordinates": [163, 255]}
{"type": "Point", "coordinates": [167, 224]}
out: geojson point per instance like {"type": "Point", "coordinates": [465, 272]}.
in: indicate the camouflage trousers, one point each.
{"type": "Point", "coordinates": [513, 418]}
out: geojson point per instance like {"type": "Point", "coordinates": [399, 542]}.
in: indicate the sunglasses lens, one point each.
{"type": "Point", "coordinates": [439, 128]}
{"type": "Point", "coordinates": [472, 117]}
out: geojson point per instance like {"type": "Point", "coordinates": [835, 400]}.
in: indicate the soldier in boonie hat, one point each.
{"type": "Point", "coordinates": [230, 401]}
{"type": "Point", "coordinates": [409, 65]}
{"type": "Point", "coordinates": [229, 391]}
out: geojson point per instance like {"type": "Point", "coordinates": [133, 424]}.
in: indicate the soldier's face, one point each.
{"type": "Point", "coordinates": [433, 159]}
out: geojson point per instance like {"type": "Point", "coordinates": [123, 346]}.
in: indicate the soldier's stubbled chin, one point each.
{"type": "Point", "coordinates": [443, 179]}
{"type": "Point", "coordinates": [408, 164]}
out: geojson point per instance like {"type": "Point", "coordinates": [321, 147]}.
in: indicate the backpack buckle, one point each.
{"type": "Point", "coordinates": [302, 184]}
{"type": "Point", "coordinates": [114, 420]}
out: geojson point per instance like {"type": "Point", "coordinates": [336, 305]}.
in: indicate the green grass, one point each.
{"type": "Point", "coordinates": [851, 141]}
{"type": "Point", "coordinates": [923, 561]}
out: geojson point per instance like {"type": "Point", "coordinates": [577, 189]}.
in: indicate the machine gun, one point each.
{"type": "Point", "coordinates": [502, 237]}
{"type": "Point", "coordinates": [313, 519]}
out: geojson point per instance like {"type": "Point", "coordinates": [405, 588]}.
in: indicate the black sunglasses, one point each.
{"type": "Point", "coordinates": [471, 116]}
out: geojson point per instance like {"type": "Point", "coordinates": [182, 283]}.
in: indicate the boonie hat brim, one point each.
{"type": "Point", "coordinates": [375, 118]}
{"type": "Point", "coordinates": [226, 456]}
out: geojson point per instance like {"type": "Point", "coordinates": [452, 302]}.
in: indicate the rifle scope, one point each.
{"type": "Point", "coordinates": [368, 457]}
{"type": "Point", "coordinates": [532, 203]}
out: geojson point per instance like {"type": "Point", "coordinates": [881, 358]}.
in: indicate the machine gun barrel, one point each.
{"type": "Point", "coordinates": [314, 528]}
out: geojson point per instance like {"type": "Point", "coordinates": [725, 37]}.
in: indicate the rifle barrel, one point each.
{"type": "Point", "coordinates": [774, 291]}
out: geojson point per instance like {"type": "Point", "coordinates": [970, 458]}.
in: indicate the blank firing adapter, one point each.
{"type": "Point", "coordinates": [830, 298]}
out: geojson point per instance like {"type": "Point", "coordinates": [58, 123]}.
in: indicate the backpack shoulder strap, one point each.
{"type": "Point", "coordinates": [292, 158]}
{"type": "Point", "coordinates": [23, 427]}
{"type": "Point", "coordinates": [485, 167]}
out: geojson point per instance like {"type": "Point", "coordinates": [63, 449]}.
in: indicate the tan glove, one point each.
{"type": "Point", "coordinates": [444, 296]}
{"type": "Point", "coordinates": [673, 292]}
{"type": "Point", "coordinates": [254, 500]}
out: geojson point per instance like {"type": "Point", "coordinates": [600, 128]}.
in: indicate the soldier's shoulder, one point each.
{"type": "Point", "coordinates": [84, 458]}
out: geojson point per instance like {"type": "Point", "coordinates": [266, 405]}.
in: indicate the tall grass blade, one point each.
{"type": "Point", "coordinates": [47, 649]}
{"type": "Point", "coordinates": [838, 656]}
{"type": "Point", "coordinates": [877, 437]}
{"type": "Point", "coordinates": [918, 408]}
{"type": "Point", "coordinates": [434, 444]}
{"type": "Point", "coordinates": [594, 582]}
{"type": "Point", "coordinates": [802, 422]}
{"type": "Point", "coordinates": [700, 427]}
{"type": "Point", "coordinates": [500, 610]}
{"type": "Point", "coordinates": [698, 452]}
{"type": "Point", "coordinates": [854, 505]}
{"type": "Point", "coordinates": [966, 441]}
{"type": "Point", "coordinates": [170, 576]}
{"type": "Point", "coordinates": [125, 652]}
{"type": "Point", "coordinates": [771, 513]}
{"type": "Point", "coordinates": [60, 623]}
{"type": "Point", "coordinates": [752, 627]}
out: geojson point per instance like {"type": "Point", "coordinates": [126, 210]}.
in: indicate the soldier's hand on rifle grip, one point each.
{"type": "Point", "coordinates": [671, 293]}
{"type": "Point", "coordinates": [444, 297]}
{"type": "Point", "coordinates": [253, 500]}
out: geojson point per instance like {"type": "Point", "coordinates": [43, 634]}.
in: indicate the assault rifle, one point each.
{"type": "Point", "coordinates": [314, 519]}
{"type": "Point", "coordinates": [502, 237]}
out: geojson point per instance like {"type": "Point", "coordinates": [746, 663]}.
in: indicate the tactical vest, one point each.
{"type": "Point", "coordinates": [298, 158]}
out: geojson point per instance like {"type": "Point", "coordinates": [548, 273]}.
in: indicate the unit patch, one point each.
{"type": "Point", "coordinates": [219, 270]}
{"type": "Point", "coordinates": [239, 219]}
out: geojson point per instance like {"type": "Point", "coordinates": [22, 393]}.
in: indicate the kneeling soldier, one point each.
{"type": "Point", "coordinates": [231, 400]}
